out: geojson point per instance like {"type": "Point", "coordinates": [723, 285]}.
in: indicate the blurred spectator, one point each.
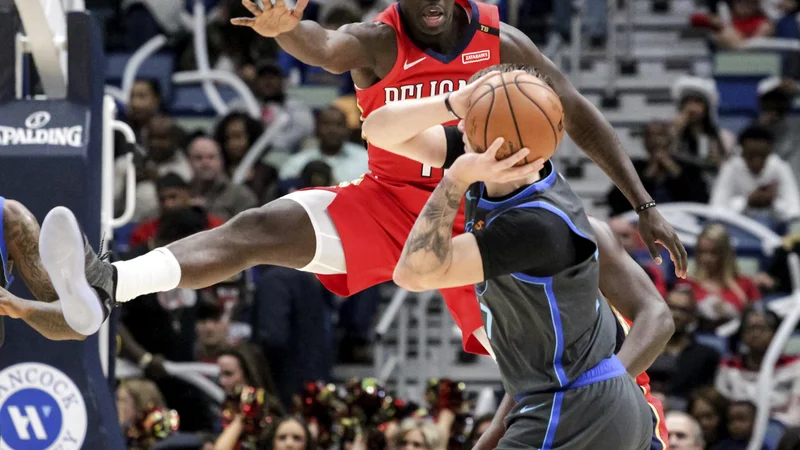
{"type": "Point", "coordinates": [347, 160]}
{"type": "Point", "coordinates": [758, 183]}
{"type": "Point", "coordinates": [287, 434]}
{"type": "Point", "coordinates": [684, 351]}
{"type": "Point", "coordinates": [144, 104]}
{"type": "Point", "coordinates": [721, 292]}
{"type": "Point", "coordinates": [143, 416]}
{"type": "Point", "coordinates": [665, 177]}
{"type": "Point", "coordinates": [236, 133]}
{"type": "Point", "coordinates": [314, 174]}
{"type": "Point", "coordinates": [595, 15]}
{"type": "Point", "coordinates": [211, 187]}
{"type": "Point", "coordinates": [146, 19]}
{"type": "Point", "coordinates": [775, 101]}
{"type": "Point", "coordinates": [786, 26]}
{"type": "Point", "coordinates": [243, 365]}
{"type": "Point", "coordinates": [684, 432]}
{"type": "Point", "coordinates": [480, 425]}
{"type": "Point", "coordinates": [163, 153]}
{"type": "Point", "coordinates": [293, 328]}
{"type": "Point", "coordinates": [790, 440]}
{"type": "Point", "coordinates": [628, 236]}
{"type": "Point", "coordinates": [270, 90]}
{"type": "Point", "coordinates": [710, 409]}
{"type": "Point", "coordinates": [161, 327]}
{"type": "Point", "coordinates": [738, 375]}
{"type": "Point", "coordinates": [748, 21]}
{"type": "Point", "coordinates": [173, 194]}
{"type": "Point", "coordinates": [741, 416]}
{"type": "Point", "coordinates": [419, 434]}
{"type": "Point", "coordinates": [134, 397]}
{"type": "Point", "coordinates": [777, 278]}
{"type": "Point", "coordinates": [701, 141]}
{"type": "Point", "coordinates": [211, 327]}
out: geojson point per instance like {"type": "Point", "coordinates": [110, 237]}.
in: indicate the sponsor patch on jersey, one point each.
{"type": "Point", "coordinates": [476, 57]}
{"type": "Point", "coordinates": [40, 408]}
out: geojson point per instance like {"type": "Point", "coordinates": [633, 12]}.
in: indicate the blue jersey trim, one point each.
{"type": "Point", "coordinates": [537, 186]}
{"type": "Point", "coordinates": [3, 250]}
{"type": "Point", "coordinates": [552, 423]}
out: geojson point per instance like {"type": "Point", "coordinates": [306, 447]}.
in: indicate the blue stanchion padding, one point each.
{"type": "Point", "coordinates": [54, 394]}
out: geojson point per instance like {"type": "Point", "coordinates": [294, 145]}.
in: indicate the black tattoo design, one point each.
{"type": "Point", "coordinates": [22, 238]}
{"type": "Point", "coordinates": [429, 245]}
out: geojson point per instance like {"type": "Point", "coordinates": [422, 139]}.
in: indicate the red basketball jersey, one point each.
{"type": "Point", "coordinates": [419, 73]}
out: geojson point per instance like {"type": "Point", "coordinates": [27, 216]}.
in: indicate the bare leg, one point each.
{"type": "Point", "coordinates": [278, 233]}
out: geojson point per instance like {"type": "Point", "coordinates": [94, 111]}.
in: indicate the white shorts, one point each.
{"type": "Point", "coordinates": [329, 256]}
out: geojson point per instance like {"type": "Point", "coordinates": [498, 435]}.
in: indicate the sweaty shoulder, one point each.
{"type": "Point", "coordinates": [516, 47]}
{"type": "Point", "coordinates": [380, 43]}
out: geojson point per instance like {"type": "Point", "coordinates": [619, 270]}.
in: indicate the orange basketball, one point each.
{"type": "Point", "coordinates": [520, 108]}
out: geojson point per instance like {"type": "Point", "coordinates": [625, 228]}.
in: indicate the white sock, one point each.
{"type": "Point", "coordinates": [157, 271]}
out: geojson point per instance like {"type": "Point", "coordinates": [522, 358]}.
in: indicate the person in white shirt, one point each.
{"type": "Point", "coordinates": [347, 160]}
{"type": "Point", "coordinates": [758, 183]}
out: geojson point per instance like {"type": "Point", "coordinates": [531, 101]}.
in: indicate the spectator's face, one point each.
{"type": "Point", "coordinates": [205, 157]}
{"type": "Point", "coordinates": [755, 153]}
{"type": "Point", "coordinates": [413, 440]}
{"type": "Point", "coordinates": [144, 103]}
{"type": "Point", "coordinates": [707, 255]}
{"type": "Point", "coordinates": [681, 434]}
{"type": "Point", "coordinates": [757, 333]}
{"type": "Point", "coordinates": [126, 407]}
{"type": "Point", "coordinates": [626, 233]}
{"type": "Point", "coordinates": [161, 140]}
{"type": "Point", "coordinates": [657, 138]}
{"type": "Point", "coordinates": [708, 418]}
{"type": "Point", "coordinates": [695, 108]}
{"type": "Point", "coordinates": [332, 129]}
{"type": "Point", "coordinates": [212, 333]}
{"type": "Point", "coordinates": [174, 198]}
{"type": "Point", "coordinates": [290, 436]}
{"type": "Point", "coordinates": [682, 308]}
{"type": "Point", "coordinates": [269, 86]}
{"type": "Point", "coordinates": [774, 107]}
{"type": "Point", "coordinates": [237, 142]}
{"type": "Point", "coordinates": [740, 421]}
{"type": "Point", "coordinates": [231, 375]}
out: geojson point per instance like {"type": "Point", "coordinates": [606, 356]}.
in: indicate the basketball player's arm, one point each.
{"type": "Point", "coordinates": [46, 318]}
{"type": "Point", "coordinates": [337, 51]}
{"type": "Point", "coordinates": [22, 237]}
{"type": "Point", "coordinates": [632, 293]}
{"type": "Point", "coordinates": [427, 261]}
{"type": "Point", "coordinates": [588, 128]}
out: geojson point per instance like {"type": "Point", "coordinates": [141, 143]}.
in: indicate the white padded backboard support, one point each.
{"type": "Point", "coordinates": [47, 44]}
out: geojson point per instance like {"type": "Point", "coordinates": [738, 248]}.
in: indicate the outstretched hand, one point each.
{"type": "Point", "coordinates": [11, 305]}
{"type": "Point", "coordinates": [273, 19]}
{"type": "Point", "coordinates": [472, 167]}
{"type": "Point", "coordinates": [460, 99]}
{"type": "Point", "coordinates": [655, 230]}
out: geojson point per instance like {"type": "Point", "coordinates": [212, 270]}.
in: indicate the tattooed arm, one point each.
{"type": "Point", "coordinates": [22, 238]}
{"type": "Point", "coordinates": [46, 318]}
{"type": "Point", "coordinates": [427, 259]}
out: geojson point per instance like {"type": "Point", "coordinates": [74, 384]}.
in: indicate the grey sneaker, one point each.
{"type": "Point", "coordinates": [85, 283]}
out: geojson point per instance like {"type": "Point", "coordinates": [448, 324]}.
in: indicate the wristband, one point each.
{"type": "Point", "coordinates": [450, 107]}
{"type": "Point", "coordinates": [648, 205]}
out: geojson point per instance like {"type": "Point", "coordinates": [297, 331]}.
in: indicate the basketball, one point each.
{"type": "Point", "coordinates": [520, 108]}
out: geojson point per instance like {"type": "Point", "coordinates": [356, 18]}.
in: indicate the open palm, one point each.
{"type": "Point", "coordinates": [273, 19]}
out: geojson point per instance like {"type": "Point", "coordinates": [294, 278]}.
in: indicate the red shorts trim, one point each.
{"type": "Point", "coordinates": [373, 218]}
{"type": "Point", "coordinates": [660, 434]}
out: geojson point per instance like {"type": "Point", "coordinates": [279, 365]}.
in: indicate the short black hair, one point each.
{"type": "Point", "coordinates": [756, 133]}
{"type": "Point", "coordinates": [209, 308]}
{"type": "Point", "coordinates": [180, 223]}
{"type": "Point", "coordinates": [154, 84]}
{"type": "Point", "coordinates": [508, 67]}
{"type": "Point", "coordinates": [171, 180]}
{"type": "Point", "coordinates": [269, 67]}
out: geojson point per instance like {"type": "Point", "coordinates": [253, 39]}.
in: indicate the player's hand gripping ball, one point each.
{"type": "Point", "coordinates": [519, 107]}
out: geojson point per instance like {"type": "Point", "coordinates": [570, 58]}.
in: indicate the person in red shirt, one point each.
{"type": "Point", "coordinates": [352, 235]}
{"type": "Point", "coordinates": [721, 292]}
{"type": "Point", "coordinates": [748, 20]}
{"type": "Point", "coordinates": [173, 193]}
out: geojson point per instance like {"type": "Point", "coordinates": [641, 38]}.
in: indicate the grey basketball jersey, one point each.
{"type": "Point", "coordinates": [545, 332]}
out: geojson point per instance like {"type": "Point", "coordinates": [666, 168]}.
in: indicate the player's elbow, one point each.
{"type": "Point", "coordinates": [663, 316]}
{"type": "Point", "coordinates": [408, 280]}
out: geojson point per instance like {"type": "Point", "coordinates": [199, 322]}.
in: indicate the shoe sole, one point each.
{"type": "Point", "coordinates": [61, 248]}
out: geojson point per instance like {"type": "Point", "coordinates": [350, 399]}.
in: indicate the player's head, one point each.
{"type": "Point", "coordinates": [507, 67]}
{"type": "Point", "coordinates": [684, 432]}
{"type": "Point", "coordinates": [428, 17]}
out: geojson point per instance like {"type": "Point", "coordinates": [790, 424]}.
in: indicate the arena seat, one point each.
{"type": "Point", "coordinates": [159, 67]}
{"type": "Point", "coordinates": [192, 101]}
